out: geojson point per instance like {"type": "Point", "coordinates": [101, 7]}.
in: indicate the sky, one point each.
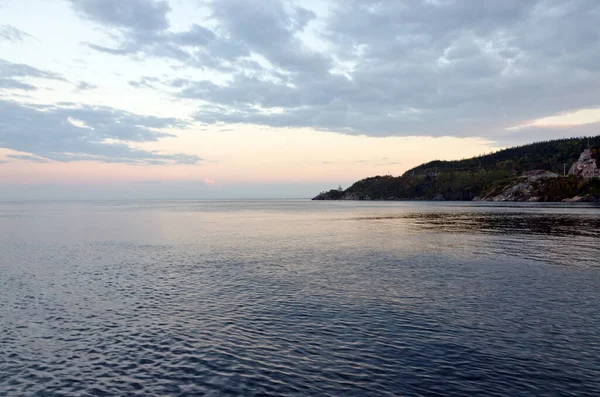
{"type": "Point", "coordinates": [279, 98]}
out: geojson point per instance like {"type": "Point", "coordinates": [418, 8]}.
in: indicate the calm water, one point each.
{"type": "Point", "coordinates": [297, 298]}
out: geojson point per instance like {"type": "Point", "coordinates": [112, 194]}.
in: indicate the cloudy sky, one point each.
{"type": "Point", "coordinates": [278, 98]}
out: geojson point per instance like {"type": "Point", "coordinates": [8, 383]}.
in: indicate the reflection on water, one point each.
{"type": "Point", "coordinates": [556, 225]}
{"type": "Point", "coordinates": [567, 239]}
{"type": "Point", "coordinates": [298, 298]}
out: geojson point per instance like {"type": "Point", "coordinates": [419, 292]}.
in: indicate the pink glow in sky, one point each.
{"type": "Point", "coordinates": [239, 95]}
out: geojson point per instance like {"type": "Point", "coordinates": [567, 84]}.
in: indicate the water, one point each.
{"type": "Point", "coordinates": [297, 298]}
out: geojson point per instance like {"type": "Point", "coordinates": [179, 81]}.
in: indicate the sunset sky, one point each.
{"type": "Point", "coordinates": [275, 98]}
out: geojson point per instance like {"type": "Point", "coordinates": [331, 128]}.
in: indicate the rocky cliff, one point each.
{"type": "Point", "coordinates": [547, 186]}
{"type": "Point", "coordinates": [529, 187]}
{"type": "Point", "coordinates": [587, 165]}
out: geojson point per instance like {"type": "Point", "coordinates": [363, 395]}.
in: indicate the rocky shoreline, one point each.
{"type": "Point", "coordinates": [576, 199]}
{"type": "Point", "coordinates": [581, 184]}
{"type": "Point", "coordinates": [533, 186]}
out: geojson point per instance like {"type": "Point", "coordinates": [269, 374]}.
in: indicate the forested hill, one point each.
{"type": "Point", "coordinates": [550, 156]}
{"type": "Point", "coordinates": [476, 177]}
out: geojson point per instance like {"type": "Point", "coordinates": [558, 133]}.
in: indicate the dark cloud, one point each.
{"type": "Point", "coordinates": [413, 67]}
{"type": "Point", "coordinates": [12, 73]}
{"type": "Point", "coordinates": [64, 133]}
{"type": "Point", "coordinates": [270, 29]}
{"type": "Point", "coordinates": [9, 69]}
{"type": "Point", "coordinates": [13, 34]}
{"type": "Point", "coordinates": [143, 15]}
{"type": "Point", "coordinates": [267, 28]}
{"type": "Point", "coordinates": [142, 26]}
{"type": "Point", "coordinates": [15, 84]}
{"type": "Point", "coordinates": [431, 68]}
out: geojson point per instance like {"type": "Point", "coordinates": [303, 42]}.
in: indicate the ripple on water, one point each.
{"type": "Point", "coordinates": [423, 304]}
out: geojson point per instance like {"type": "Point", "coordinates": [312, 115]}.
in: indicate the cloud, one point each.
{"type": "Point", "coordinates": [12, 73]}
{"type": "Point", "coordinates": [143, 15]}
{"type": "Point", "coordinates": [257, 24]}
{"type": "Point", "coordinates": [84, 86]}
{"type": "Point", "coordinates": [417, 71]}
{"type": "Point", "coordinates": [145, 82]}
{"type": "Point", "coordinates": [29, 158]}
{"type": "Point", "coordinates": [10, 33]}
{"type": "Point", "coordinates": [209, 181]}
{"type": "Point", "coordinates": [15, 85]}
{"type": "Point", "coordinates": [534, 133]}
{"type": "Point", "coordinates": [9, 69]}
{"type": "Point", "coordinates": [93, 133]}
{"type": "Point", "coordinates": [143, 32]}
{"type": "Point", "coordinates": [372, 67]}
{"type": "Point", "coordinates": [244, 28]}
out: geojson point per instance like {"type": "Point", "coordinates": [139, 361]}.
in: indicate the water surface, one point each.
{"type": "Point", "coordinates": [297, 298]}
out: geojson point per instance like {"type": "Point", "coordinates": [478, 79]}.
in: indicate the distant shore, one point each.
{"type": "Point", "coordinates": [531, 173]}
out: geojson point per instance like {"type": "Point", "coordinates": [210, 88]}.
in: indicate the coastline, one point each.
{"type": "Point", "coordinates": [511, 175]}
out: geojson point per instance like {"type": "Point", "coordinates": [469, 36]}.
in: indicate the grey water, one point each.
{"type": "Point", "coordinates": [299, 298]}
